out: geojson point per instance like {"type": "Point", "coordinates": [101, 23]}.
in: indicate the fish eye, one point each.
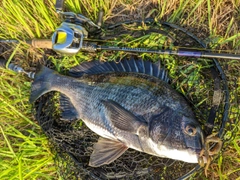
{"type": "Point", "coordinates": [190, 130]}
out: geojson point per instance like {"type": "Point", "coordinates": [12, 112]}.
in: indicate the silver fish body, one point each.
{"type": "Point", "coordinates": [130, 105]}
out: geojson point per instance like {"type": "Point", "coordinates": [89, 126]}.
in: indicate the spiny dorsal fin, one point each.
{"type": "Point", "coordinates": [132, 65]}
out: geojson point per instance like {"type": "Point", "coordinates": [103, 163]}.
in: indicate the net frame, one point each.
{"type": "Point", "coordinates": [72, 141]}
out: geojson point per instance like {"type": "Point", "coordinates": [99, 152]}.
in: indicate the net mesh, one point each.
{"type": "Point", "coordinates": [202, 82]}
{"type": "Point", "coordinates": [73, 144]}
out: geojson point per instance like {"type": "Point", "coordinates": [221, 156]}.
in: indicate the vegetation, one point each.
{"type": "Point", "coordinates": [24, 150]}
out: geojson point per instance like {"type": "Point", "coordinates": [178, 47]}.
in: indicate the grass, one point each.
{"type": "Point", "coordinates": [24, 150]}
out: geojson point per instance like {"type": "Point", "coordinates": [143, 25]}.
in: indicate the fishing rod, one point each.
{"type": "Point", "coordinates": [37, 43]}
{"type": "Point", "coordinates": [188, 53]}
{"type": "Point", "coordinates": [73, 46]}
{"type": "Point", "coordinates": [15, 68]}
{"type": "Point", "coordinates": [71, 37]}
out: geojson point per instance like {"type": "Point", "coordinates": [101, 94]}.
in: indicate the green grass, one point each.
{"type": "Point", "coordinates": [24, 150]}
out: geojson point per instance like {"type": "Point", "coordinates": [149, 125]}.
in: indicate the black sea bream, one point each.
{"type": "Point", "coordinates": [130, 105]}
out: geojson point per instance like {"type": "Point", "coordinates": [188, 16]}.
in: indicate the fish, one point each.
{"type": "Point", "coordinates": [129, 104]}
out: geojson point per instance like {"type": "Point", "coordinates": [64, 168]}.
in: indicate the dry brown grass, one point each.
{"type": "Point", "coordinates": [217, 22]}
{"type": "Point", "coordinates": [213, 21]}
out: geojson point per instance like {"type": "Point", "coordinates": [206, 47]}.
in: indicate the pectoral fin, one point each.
{"type": "Point", "coordinates": [124, 119]}
{"type": "Point", "coordinates": [106, 151]}
{"type": "Point", "coordinates": [69, 113]}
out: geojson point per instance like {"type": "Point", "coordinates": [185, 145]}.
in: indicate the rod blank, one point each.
{"type": "Point", "coordinates": [187, 53]}
{"type": "Point", "coordinates": [47, 43]}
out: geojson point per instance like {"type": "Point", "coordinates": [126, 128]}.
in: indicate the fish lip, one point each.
{"type": "Point", "coordinates": [200, 148]}
{"type": "Point", "coordinates": [205, 160]}
{"type": "Point", "coordinates": [202, 159]}
{"type": "Point", "coordinates": [198, 151]}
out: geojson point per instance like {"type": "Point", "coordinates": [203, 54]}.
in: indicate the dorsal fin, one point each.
{"type": "Point", "coordinates": [125, 65]}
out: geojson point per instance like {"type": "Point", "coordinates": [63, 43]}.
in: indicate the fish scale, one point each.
{"type": "Point", "coordinates": [90, 100]}
{"type": "Point", "coordinates": [130, 105]}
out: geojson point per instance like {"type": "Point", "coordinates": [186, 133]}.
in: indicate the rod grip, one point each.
{"type": "Point", "coordinates": [41, 43]}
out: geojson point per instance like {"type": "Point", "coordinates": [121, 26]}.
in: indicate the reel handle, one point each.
{"type": "Point", "coordinates": [59, 5]}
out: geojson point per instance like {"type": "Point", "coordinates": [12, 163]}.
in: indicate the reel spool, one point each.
{"type": "Point", "coordinates": [68, 38]}
{"type": "Point", "coordinates": [72, 142]}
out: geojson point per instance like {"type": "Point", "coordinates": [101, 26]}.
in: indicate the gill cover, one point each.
{"type": "Point", "coordinates": [175, 131]}
{"type": "Point", "coordinates": [193, 134]}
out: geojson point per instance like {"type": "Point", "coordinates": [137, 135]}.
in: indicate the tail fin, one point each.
{"type": "Point", "coordinates": [41, 83]}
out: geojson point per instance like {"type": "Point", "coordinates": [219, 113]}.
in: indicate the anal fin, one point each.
{"type": "Point", "coordinates": [106, 151]}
